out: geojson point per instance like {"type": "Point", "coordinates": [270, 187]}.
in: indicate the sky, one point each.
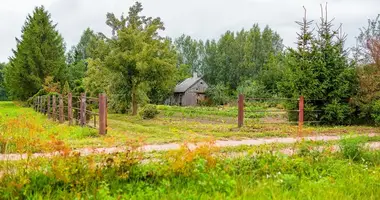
{"type": "Point", "coordinates": [201, 19]}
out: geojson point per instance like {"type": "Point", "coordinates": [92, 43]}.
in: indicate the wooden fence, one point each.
{"type": "Point", "coordinates": [77, 110]}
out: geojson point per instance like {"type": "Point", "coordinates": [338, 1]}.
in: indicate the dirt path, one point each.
{"type": "Point", "coordinates": [173, 146]}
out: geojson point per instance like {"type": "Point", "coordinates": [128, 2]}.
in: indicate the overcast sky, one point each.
{"type": "Point", "coordinates": [201, 19]}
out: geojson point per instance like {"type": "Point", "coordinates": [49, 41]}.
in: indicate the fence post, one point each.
{"type": "Point", "coordinates": [241, 110]}
{"type": "Point", "coordinates": [38, 104]}
{"type": "Point", "coordinates": [300, 114]}
{"type": "Point", "coordinates": [61, 119]}
{"type": "Point", "coordinates": [70, 108]}
{"type": "Point", "coordinates": [48, 106]}
{"type": "Point", "coordinates": [102, 114]}
{"type": "Point", "coordinates": [82, 113]}
{"type": "Point", "coordinates": [54, 108]}
{"type": "Point", "coordinates": [43, 104]}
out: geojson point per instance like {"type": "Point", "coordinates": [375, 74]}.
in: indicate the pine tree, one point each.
{"type": "Point", "coordinates": [39, 54]}
{"type": "Point", "coordinates": [319, 70]}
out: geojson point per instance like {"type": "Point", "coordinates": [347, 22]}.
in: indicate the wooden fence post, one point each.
{"type": "Point", "coordinates": [61, 119]}
{"type": "Point", "coordinates": [102, 114]}
{"type": "Point", "coordinates": [300, 115]}
{"type": "Point", "coordinates": [42, 105]}
{"type": "Point", "coordinates": [48, 107]}
{"type": "Point", "coordinates": [54, 109]}
{"type": "Point", "coordinates": [241, 110]}
{"type": "Point", "coordinates": [70, 108]}
{"type": "Point", "coordinates": [38, 104]}
{"type": "Point", "coordinates": [82, 109]}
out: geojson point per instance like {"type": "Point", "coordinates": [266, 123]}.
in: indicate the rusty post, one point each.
{"type": "Point", "coordinates": [70, 108]}
{"type": "Point", "coordinates": [241, 110]}
{"type": "Point", "coordinates": [54, 108]}
{"type": "Point", "coordinates": [48, 107]}
{"type": "Point", "coordinates": [300, 115]}
{"type": "Point", "coordinates": [102, 114]}
{"type": "Point", "coordinates": [61, 119]}
{"type": "Point", "coordinates": [82, 109]}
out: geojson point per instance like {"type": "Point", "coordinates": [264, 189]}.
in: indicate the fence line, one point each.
{"type": "Point", "coordinates": [300, 110]}
{"type": "Point", "coordinates": [48, 104]}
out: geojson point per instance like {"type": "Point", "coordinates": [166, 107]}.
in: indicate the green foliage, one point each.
{"type": "Point", "coordinates": [375, 113]}
{"type": "Point", "coordinates": [237, 57]}
{"type": "Point", "coordinates": [3, 92]}
{"type": "Point", "coordinates": [190, 55]}
{"type": "Point", "coordinates": [39, 53]}
{"type": "Point", "coordinates": [352, 148]}
{"type": "Point", "coordinates": [253, 89]}
{"type": "Point", "coordinates": [142, 58]}
{"type": "Point", "coordinates": [149, 111]}
{"type": "Point", "coordinates": [319, 70]}
{"type": "Point", "coordinates": [218, 94]}
{"type": "Point", "coordinates": [66, 89]}
{"type": "Point", "coordinates": [199, 173]}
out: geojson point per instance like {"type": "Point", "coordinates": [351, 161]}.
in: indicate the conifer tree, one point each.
{"type": "Point", "coordinates": [39, 54]}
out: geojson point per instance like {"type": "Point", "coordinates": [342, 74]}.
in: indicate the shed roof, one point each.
{"type": "Point", "coordinates": [186, 84]}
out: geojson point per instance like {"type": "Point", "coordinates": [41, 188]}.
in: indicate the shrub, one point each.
{"type": "Point", "coordinates": [375, 114]}
{"type": "Point", "coordinates": [149, 111]}
{"type": "Point", "coordinates": [218, 94]}
{"type": "Point", "coordinates": [352, 148]}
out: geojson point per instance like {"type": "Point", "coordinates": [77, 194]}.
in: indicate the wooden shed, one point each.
{"type": "Point", "coordinates": [189, 92]}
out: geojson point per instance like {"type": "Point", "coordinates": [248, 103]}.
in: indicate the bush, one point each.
{"type": "Point", "coordinates": [149, 111]}
{"type": "Point", "coordinates": [218, 94]}
{"type": "Point", "coordinates": [375, 114]}
{"type": "Point", "coordinates": [352, 148]}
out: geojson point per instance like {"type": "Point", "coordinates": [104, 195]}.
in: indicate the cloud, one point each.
{"type": "Point", "coordinates": [201, 19]}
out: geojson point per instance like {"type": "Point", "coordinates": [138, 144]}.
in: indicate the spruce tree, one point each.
{"type": "Point", "coordinates": [320, 71]}
{"type": "Point", "coordinates": [39, 54]}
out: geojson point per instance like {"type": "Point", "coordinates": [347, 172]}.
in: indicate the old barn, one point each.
{"type": "Point", "coordinates": [189, 92]}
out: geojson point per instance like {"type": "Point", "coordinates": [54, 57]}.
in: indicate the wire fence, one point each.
{"type": "Point", "coordinates": [250, 110]}
{"type": "Point", "coordinates": [77, 110]}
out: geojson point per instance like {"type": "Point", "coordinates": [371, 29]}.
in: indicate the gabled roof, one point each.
{"type": "Point", "coordinates": [186, 84]}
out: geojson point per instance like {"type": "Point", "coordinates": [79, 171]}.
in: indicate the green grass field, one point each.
{"type": "Point", "coordinates": [207, 172]}
{"type": "Point", "coordinates": [24, 130]}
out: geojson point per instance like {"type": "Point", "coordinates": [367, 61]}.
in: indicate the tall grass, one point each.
{"type": "Point", "coordinates": [197, 173]}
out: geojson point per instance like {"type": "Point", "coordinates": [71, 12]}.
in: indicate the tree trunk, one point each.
{"type": "Point", "coordinates": [134, 101]}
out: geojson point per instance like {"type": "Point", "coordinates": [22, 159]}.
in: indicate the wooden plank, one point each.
{"type": "Point", "coordinates": [70, 108]}
{"type": "Point", "coordinates": [54, 108]}
{"type": "Point", "coordinates": [82, 109]}
{"type": "Point", "coordinates": [61, 114]}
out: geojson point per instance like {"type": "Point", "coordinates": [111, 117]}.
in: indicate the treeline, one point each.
{"type": "Point", "coordinates": [136, 65]}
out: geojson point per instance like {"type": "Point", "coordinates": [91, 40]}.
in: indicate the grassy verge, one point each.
{"type": "Point", "coordinates": [353, 173]}
{"type": "Point", "coordinates": [23, 130]}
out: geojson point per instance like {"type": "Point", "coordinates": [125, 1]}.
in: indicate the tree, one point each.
{"type": "Point", "coordinates": [3, 93]}
{"type": "Point", "coordinates": [139, 54]}
{"type": "Point", "coordinates": [319, 70]}
{"type": "Point", "coordinates": [77, 57]}
{"type": "Point", "coordinates": [367, 50]}
{"type": "Point", "coordinates": [367, 54]}
{"type": "Point", "coordinates": [190, 52]}
{"type": "Point", "coordinates": [39, 54]}
{"type": "Point", "coordinates": [239, 56]}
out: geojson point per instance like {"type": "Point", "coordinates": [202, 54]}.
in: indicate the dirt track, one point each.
{"type": "Point", "coordinates": [173, 146]}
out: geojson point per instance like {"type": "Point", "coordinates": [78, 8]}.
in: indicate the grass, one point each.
{"type": "Point", "coordinates": [24, 130]}
{"type": "Point", "coordinates": [206, 172]}
{"type": "Point", "coordinates": [197, 174]}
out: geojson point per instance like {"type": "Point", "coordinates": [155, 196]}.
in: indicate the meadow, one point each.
{"type": "Point", "coordinates": [24, 130]}
{"type": "Point", "coordinates": [204, 172]}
